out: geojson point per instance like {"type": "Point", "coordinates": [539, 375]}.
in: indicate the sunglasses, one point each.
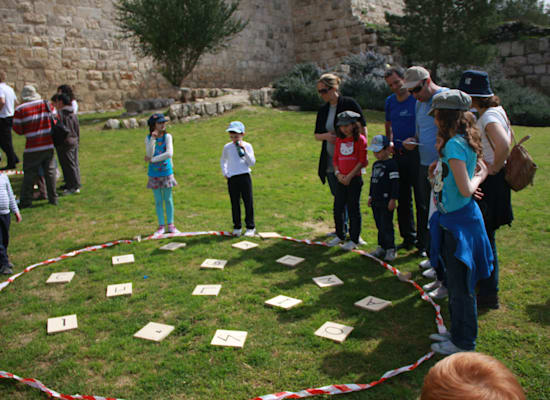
{"type": "Point", "coordinates": [417, 88]}
{"type": "Point", "coordinates": [324, 90]}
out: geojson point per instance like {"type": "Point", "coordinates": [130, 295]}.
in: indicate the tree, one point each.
{"type": "Point", "coordinates": [176, 33]}
{"type": "Point", "coordinates": [444, 32]}
{"type": "Point", "coordinates": [529, 11]}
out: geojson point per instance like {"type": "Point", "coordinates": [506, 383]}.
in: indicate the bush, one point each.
{"type": "Point", "coordinates": [370, 92]}
{"type": "Point", "coordinates": [298, 87]}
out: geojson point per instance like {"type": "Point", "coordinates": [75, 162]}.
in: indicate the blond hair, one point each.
{"type": "Point", "coordinates": [472, 376]}
{"type": "Point", "coordinates": [330, 80]}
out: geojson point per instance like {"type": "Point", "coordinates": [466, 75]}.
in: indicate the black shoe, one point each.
{"type": "Point", "coordinates": [489, 301]}
{"type": "Point", "coordinates": [7, 167]}
{"type": "Point", "coordinates": [405, 245]}
{"type": "Point", "coordinates": [6, 270]}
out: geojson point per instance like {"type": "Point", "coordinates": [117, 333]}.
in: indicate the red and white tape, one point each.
{"type": "Point", "coordinates": [326, 390]}
{"type": "Point", "coordinates": [11, 172]}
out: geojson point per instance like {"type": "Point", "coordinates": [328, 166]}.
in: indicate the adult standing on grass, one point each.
{"type": "Point", "coordinates": [496, 137]}
{"type": "Point", "coordinates": [32, 120]}
{"type": "Point", "coordinates": [400, 125]}
{"type": "Point", "coordinates": [8, 100]}
{"type": "Point", "coordinates": [458, 238]}
{"type": "Point", "coordinates": [325, 129]}
{"type": "Point", "coordinates": [423, 88]}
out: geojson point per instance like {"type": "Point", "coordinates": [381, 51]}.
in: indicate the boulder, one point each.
{"type": "Point", "coordinates": [112, 124]}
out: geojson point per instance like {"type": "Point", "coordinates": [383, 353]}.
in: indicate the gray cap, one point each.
{"type": "Point", "coordinates": [452, 99]}
{"type": "Point", "coordinates": [347, 117]}
{"type": "Point", "coordinates": [29, 93]}
{"type": "Point", "coordinates": [415, 75]}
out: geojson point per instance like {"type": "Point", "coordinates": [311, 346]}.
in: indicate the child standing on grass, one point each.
{"type": "Point", "coordinates": [237, 158]}
{"type": "Point", "coordinates": [350, 155]}
{"type": "Point", "coordinates": [158, 153]}
{"type": "Point", "coordinates": [383, 195]}
{"type": "Point", "coordinates": [7, 204]}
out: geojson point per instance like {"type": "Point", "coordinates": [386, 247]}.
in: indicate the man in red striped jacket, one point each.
{"type": "Point", "coordinates": [32, 119]}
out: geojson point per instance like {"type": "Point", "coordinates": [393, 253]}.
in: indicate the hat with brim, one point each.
{"type": "Point", "coordinates": [453, 99]}
{"type": "Point", "coordinates": [29, 93]}
{"type": "Point", "coordinates": [378, 143]}
{"type": "Point", "coordinates": [414, 76]}
{"type": "Point", "coordinates": [156, 118]}
{"type": "Point", "coordinates": [347, 117]}
{"type": "Point", "coordinates": [476, 83]}
{"type": "Point", "coordinates": [236, 126]}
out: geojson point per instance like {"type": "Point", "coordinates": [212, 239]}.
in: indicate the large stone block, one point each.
{"type": "Point", "coordinates": [517, 49]}
{"type": "Point", "coordinates": [534, 58]}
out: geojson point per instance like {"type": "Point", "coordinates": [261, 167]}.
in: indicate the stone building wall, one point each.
{"type": "Point", "coordinates": [527, 62]}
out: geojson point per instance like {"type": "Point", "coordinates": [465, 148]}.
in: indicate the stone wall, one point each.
{"type": "Point", "coordinates": [527, 62]}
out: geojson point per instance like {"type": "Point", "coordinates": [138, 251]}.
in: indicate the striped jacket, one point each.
{"type": "Point", "coordinates": [7, 199]}
{"type": "Point", "coordinates": [32, 120]}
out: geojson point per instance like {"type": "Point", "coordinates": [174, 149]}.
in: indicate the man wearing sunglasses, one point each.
{"type": "Point", "coordinates": [420, 85]}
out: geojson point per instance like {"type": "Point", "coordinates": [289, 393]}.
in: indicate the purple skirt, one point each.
{"type": "Point", "coordinates": [158, 182]}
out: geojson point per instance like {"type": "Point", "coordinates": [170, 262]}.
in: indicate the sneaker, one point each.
{"type": "Point", "coordinates": [422, 253]}
{"type": "Point", "coordinates": [490, 301]}
{"type": "Point", "coordinates": [425, 264]}
{"type": "Point", "coordinates": [446, 348]}
{"type": "Point", "coordinates": [237, 232]}
{"type": "Point", "coordinates": [159, 231]}
{"type": "Point", "coordinates": [439, 293]}
{"type": "Point", "coordinates": [361, 241]}
{"type": "Point", "coordinates": [428, 287]}
{"type": "Point", "coordinates": [390, 255]}
{"type": "Point", "coordinates": [379, 252]}
{"type": "Point", "coordinates": [334, 242]}
{"type": "Point", "coordinates": [440, 337]}
{"type": "Point", "coordinates": [68, 192]}
{"type": "Point", "coordinates": [6, 270]}
{"type": "Point", "coordinates": [429, 273]}
{"type": "Point", "coordinates": [250, 232]}
{"type": "Point", "coordinates": [349, 245]}
{"type": "Point", "coordinates": [172, 229]}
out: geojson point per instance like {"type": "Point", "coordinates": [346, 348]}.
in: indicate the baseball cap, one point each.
{"type": "Point", "coordinates": [453, 99]}
{"type": "Point", "coordinates": [235, 126]}
{"type": "Point", "coordinates": [415, 75]}
{"type": "Point", "coordinates": [156, 118]}
{"type": "Point", "coordinates": [347, 117]}
{"type": "Point", "coordinates": [379, 142]}
{"type": "Point", "coordinates": [475, 83]}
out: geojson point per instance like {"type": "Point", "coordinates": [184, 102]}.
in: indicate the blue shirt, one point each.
{"type": "Point", "coordinates": [161, 168]}
{"type": "Point", "coordinates": [426, 131]}
{"type": "Point", "coordinates": [402, 118]}
{"type": "Point", "coordinates": [450, 199]}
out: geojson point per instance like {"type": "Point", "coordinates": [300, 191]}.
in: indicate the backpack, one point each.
{"type": "Point", "coordinates": [520, 168]}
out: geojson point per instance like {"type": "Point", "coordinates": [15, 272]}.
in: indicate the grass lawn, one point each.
{"type": "Point", "coordinates": [281, 352]}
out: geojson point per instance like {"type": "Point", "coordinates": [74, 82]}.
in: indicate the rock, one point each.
{"type": "Point", "coordinates": [142, 122]}
{"type": "Point", "coordinates": [210, 108]}
{"type": "Point", "coordinates": [112, 124]}
{"type": "Point", "coordinates": [133, 106]}
{"type": "Point", "coordinates": [186, 95]}
{"type": "Point", "coordinates": [125, 123]}
{"type": "Point", "coordinates": [133, 123]}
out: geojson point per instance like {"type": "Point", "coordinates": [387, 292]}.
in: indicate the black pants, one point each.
{"type": "Point", "coordinates": [348, 196]}
{"type": "Point", "coordinates": [422, 208]}
{"type": "Point", "coordinates": [241, 186]}
{"type": "Point", "coordinates": [6, 143]}
{"type": "Point", "coordinates": [4, 238]}
{"type": "Point", "coordinates": [32, 161]}
{"type": "Point", "coordinates": [384, 223]}
{"type": "Point", "coordinates": [68, 158]}
{"type": "Point", "coordinates": [407, 164]}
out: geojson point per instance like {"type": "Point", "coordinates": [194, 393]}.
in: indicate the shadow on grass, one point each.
{"type": "Point", "coordinates": [539, 313]}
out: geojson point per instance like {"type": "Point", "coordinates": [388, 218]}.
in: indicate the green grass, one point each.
{"type": "Point", "coordinates": [281, 352]}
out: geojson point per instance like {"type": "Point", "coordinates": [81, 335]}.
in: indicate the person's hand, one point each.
{"type": "Point", "coordinates": [391, 205]}
{"type": "Point", "coordinates": [482, 170]}
{"type": "Point", "coordinates": [369, 202]}
{"type": "Point", "coordinates": [155, 134]}
{"type": "Point", "coordinates": [478, 194]}
{"type": "Point", "coordinates": [410, 143]}
{"type": "Point", "coordinates": [347, 179]}
{"type": "Point", "coordinates": [331, 137]}
{"type": "Point", "coordinates": [18, 217]}
{"type": "Point", "coordinates": [431, 169]}
{"type": "Point", "coordinates": [341, 178]}
{"type": "Point", "coordinates": [147, 159]}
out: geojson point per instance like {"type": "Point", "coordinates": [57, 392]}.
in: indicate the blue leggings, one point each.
{"type": "Point", "coordinates": [164, 195]}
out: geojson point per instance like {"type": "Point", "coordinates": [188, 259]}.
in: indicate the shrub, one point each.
{"type": "Point", "coordinates": [298, 87]}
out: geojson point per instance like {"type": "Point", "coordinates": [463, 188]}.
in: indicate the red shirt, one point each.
{"type": "Point", "coordinates": [348, 153]}
{"type": "Point", "coordinates": [32, 120]}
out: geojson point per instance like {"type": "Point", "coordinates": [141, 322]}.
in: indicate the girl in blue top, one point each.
{"type": "Point", "coordinates": [459, 240]}
{"type": "Point", "coordinates": [158, 153]}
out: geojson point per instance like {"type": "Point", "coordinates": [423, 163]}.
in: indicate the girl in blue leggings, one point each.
{"type": "Point", "coordinates": [158, 153]}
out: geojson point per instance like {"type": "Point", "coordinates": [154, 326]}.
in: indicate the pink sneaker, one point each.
{"type": "Point", "coordinates": [159, 231]}
{"type": "Point", "coordinates": [172, 229]}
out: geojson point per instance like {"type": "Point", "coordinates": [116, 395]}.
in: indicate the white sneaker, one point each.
{"type": "Point", "coordinates": [159, 231]}
{"type": "Point", "coordinates": [378, 253]}
{"type": "Point", "coordinates": [390, 255]}
{"type": "Point", "coordinates": [439, 293]}
{"type": "Point", "coordinates": [425, 264]}
{"type": "Point", "coordinates": [429, 273]}
{"type": "Point", "coordinates": [428, 287]}
{"type": "Point", "coordinates": [361, 241]}
{"type": "Point", "coordinates": [349, 245]}
{"type": "Point", "coordinates": [237, 232]}
{"type": "Point", "coordinates": [447, 348]}
{"type": "Point", "coordinates": [334, 242]}
{"type": "Point", "coordinates": [440, 337]}
{"type": "Point", "coordinates": [250, 232]}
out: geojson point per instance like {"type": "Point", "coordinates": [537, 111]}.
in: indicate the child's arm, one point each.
{"type": "Point", "coordinates": [13, 204]}
{"type": "Point", "coordinates": [149, 147]}
{"type": "Point", "coordinates": [394, 180]}
{"type": "Point", "coordinates": [467, 186]}
{"type": "Point", "coordinates": [249, 154]}
{"type": "Point", "coordinates": [169, 150]}
{"type": "Point", "coordinates": [346, 179]}
{"type": "Point", "coordinates": [223, 162]}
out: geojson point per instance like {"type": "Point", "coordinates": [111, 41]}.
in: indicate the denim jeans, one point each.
{"type": "Point", "coordinates": [489, 286]}
{"type": "Point", "coordinates": [462, 298]}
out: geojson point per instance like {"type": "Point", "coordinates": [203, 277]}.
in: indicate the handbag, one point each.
{"type": "Point", "coordinates": [520, 168]}
{"type": "Point", "coordinates": [58, 131]}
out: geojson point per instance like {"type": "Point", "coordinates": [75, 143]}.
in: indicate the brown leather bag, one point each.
{"type": "Point", "coordinates": [520, 168]}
